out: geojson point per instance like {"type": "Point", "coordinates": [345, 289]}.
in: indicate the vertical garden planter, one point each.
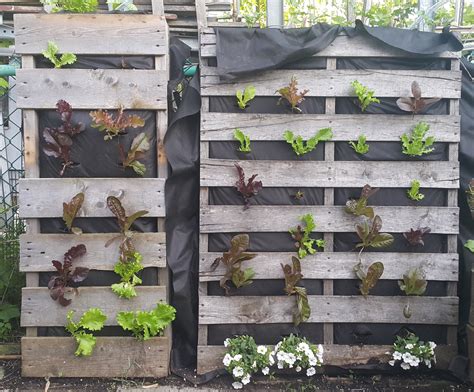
{"type": "Point", "coordinates": [91, 35]}
{"type": "Point", "coordinates": [239, 313]}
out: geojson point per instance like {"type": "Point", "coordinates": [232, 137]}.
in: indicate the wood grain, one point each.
{"type": "Point", "coordinates": [337, 83]}
{"type": "Point", "coordinates": [92, 89]}
{"type": "Point", "coordinates": [222, 172]}
{"type": "Point", "coordinates": [270, 127]}
{"type": "Point", "coordinates": [332, 309]}
{"type": "Point", "coordinates": [123, 357]}
{"type": "Point", "coordinates": [340, 265]}
{"type": "Point", "coordinates": [101, 34]}
{"type": "Point", "coordinates": [43, 198]}
{"type": "Point", "coordinates": [37, 251]}
{"type": "Point", "coordinates": [233, 219]}
{"type": "Point", "coordinates": [39, 310]}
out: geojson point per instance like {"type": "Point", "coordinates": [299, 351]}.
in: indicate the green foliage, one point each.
{"type": "Point", "coordinates": [243, 139]}
{"type": "Point", "coordinates": [370, 278]}
{"type": "Point", "coordinates": [470, 197]}
{"type": "Point", "coordinates": [412, 352]}
{"type": "Point", "coordinates": [417, 144]}
{"type": "Point", "coordinates": [145, 325]}
{"type": "Point", "coordinates": [51, 53]}
{"type": "Point", "coordinates": [140, 145]}
{"type": "Point", "coordinates": [361, 147]}
{"type": "Point", "coordinates": [369, 233]}
{"type": "Point", "coordinates": [304, 243]}
{"type": "Point", "coordinates": [253, 12]}
{"type": "Point", "coordinates": [391, 13]}
{"type": "Point", "coordinates": [469, 245]}
{"type": "Point", "coordinates": [300, 147]}
{"type": "Point", "coordinates": [3, 86]}
{"type": "Point", "coordinates": [127, 271]}
{"type": "Point", "coordinates": [8, 313]}
{"type": "Point", "coordinates": [366, 96]}
{"type": "Point", "coordinates": [244, 97]}
{"type": "Point", "coordinates": [92, 320]}
{"type": "Point", "coordinates": [76, 6]}
{"type": "Point", "coordinates": [358, 207]}
{"type": "Point", "coordinates": [413, 282]}
{"type": "Point", "coordinates": [292, 277]}
{"type": "Point", "coordinates": [414, 192]}
{"type": "Point", "coordinates": [291, 94]}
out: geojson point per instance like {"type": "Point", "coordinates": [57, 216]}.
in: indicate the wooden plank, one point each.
{"type": "Point", "coordinates": [210, 357]}
{"type": "Point", "coordinates": [39, 310]}
{"type": "Point", "coordinates": [340, 265]}
{"type": "Point", "coordinates": [337, 83]}
{"type": "Point", "coordinates": [342, 46]}
{"type": "Point", "coordinates": [92, 88]}
{"type": "Point", "coordinates": [37, 251]}
{"type": "Point", "coordinates": [332, 309]}
{"type": "Point", "coordinates": [233, 219]}
{"type": "Point", "coordinates": [270, 127]}
{"type": "Point", "coordinates": [54, 357]}
{"type": "Point", "coordinates": [43, 198]}
{"type": "Point", "coordinates": [101, 34]}
{"type": "Point", "coordinates": [222, 172]}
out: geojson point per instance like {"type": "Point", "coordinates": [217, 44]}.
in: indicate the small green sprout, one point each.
{"type": "Point", "coordinates": [361, 147]}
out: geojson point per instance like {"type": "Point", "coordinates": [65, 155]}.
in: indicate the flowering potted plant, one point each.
{"type": "Point", "coordinates": [410, 352]}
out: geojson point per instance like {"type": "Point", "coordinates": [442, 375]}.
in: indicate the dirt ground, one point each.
{"type": "Point", "coordinates": [10, 380]}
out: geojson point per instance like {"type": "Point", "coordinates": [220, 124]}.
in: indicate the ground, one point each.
{"type": "Point", "coordinates": [10, 380]}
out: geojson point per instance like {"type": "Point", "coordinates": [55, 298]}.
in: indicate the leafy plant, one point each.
{"type": "Point", "coordinates": [470, 197]}
{"type": "Point", "coordinates": [300, 147]}
{"type": "Point", "coordinates": [414, 192]}
{"type": "Point", "coordinates": [291, 94]}
{"type": "Point", "coordinates": [469, 245]}
{"type": "Point", "coordinates": [416, 144]}
{"type": "Point", "coordinates": [361, 147]}
{"type": "Point", "coordinates": [292, 278]}
{"type": "Point", "coordinates": [304, 243]}
{"type": "Point", "coordinates": [145, 325]}
{"type": "Point", "coordinates": [416, 103]}
{"type": "Point", "coordinates": [299, 195]}
{"type": "Point", "coordinates": [249, 189]}
{"type": "Point", "coordinates": [59, 284]}
{"type": "Point", "coordinates": [8, 312]}
{"type": "Point", "coordinates": [127, 271]}
{"type": "Point", "coordinates": [369, 233]}
{"type": "Point", "coordinates": [51, 53]}
{"type": "Point", "coordinates": [232, 261]}
{"type": "Point", "coordinates": [140, 145]}
{"type": "Point", "coordinates": [70, 211]}
{"type": "Point", "coordinates": [413, 282]}
{"type": "Point", "coordinates": [114, 126]}
{"type": "Point", "coordinates": [366, 96]}
{"type": "Point", "coordinates": [244, 97]}
{"type": "Point", "coordinates": [77, 6]}
{"type": "Point", "coordinates": [370, 278]}
{"type": "Point", "coordinates": [358, 207]}
{"type": "Point", "coordinates": [415, 237]}
{"type": "Point", "coordinates": [59, 140]}
{"type": "Point", "coordinates": [411, 351]}
{"type": "Point", "coordinates": [3, 87]}
{"type": "Point", "coordinates": [243, 139]}
{"type": "Point", "coordinates": [91, 321]}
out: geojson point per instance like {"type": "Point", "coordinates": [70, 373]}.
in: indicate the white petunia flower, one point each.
{"type": "Point", "coordinates": [320, 349]}
{"type": "Point", "coordinates": [406, 357]}
{"type": "Point", "coordinates": [405, 366]}
{"type": "Point", "coordinates": [265, 370]}
{"type": "Point", "coordinates": [280, 365]}
{"type": "Point", "coordinates": [310, 371]}
{"type": "Point", "coordinates": [237, 385]}
{"type": "Point", "coordinates": [391, 363]}
{"type": "Point", "coordinates": [397, 355]}
{"type": "Point", "coordinates": [298, 369]}
{"type": "Point", "coordinates": [238, 357]}
{"type": "Point", "coordinates": [226, 342]}
{"type": "Point", "coordinates": [409, 346]}
{"type": "Point", "coordinates": [313, 361]}
{"type": "Point", "coordinates": [227, 359]}
{"type": "Point", "coordinates": [246, 379]}
{"type": "Point", "coordinates": [254, 365]}
{"type": "Point", "coordinates": [262, 350]}
{"type": "Point", "coordinates": [238, 372]}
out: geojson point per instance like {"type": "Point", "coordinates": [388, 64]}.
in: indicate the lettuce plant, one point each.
{"type": "Point", "coordinates": [415, 237]}
{"type": "Point", "coordinates": [114, 126]}
{"type": "Point", "coordinates": [303, 242]}
{"type": "Point", "coordinates": [365, 96]}
{"type": "Point", "coordinates": [91, 321]}
{"type": "Point", "coordinates": [244, 97]}
{"type": "Point", "coordinates": [370, 236]}
{"type": "Point", "coordinates": [414, 282]}
{"type": "Point", "coordinates": [243, 139]}
{"type": "Point", "coordinates": [59, 284]}
{"type": "Point", "coordinates": [232, 261]}
{"type": "Point", "coordinates": [358, 207]}
{"type": "Point", "coordinates": [417, 144]}
{"type": "Point", "coordinates": [291, 94]}
{"type": "Point", "coordinates": [361, 147]}
{"type": "Point", "coordinates": [70, 211]}
{"type": "Point", "coordinates": [470, 197]}
{"type": "Point", "coordinates": [292, 277]}
{"type": "Point", "coordinates": [301, 147]}
{"type": "Point", "coordinates": [51, 53]}
{"type": "Point", "coordinates": [368, 279]}
{"type": "Point", "coordinates": [416, 103]}
{"type": "Point", "coordinates": [414, 192]}
{"type": "Point", "coordinates": [140, 145]}
{"type": "Point", "coordinates": [249, 189]}
{"type": "Point", "coordinates": [469, 245]}
{"type": "Point", "coordinates": [145, 325]}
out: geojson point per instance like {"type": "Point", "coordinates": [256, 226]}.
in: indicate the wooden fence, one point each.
{"type": "Point", "coordinates": [331, 83]}
{"type": "Point", "coordinates": [41, 88]}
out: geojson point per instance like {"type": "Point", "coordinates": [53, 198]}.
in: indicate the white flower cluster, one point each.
{"type": "Point", "coordinates": [411, 352]}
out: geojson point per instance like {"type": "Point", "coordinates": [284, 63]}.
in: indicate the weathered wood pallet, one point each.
{"type": "Point", "coordinates": [328, 265]}
{"type": "Point", "coordinates": [91, 34]}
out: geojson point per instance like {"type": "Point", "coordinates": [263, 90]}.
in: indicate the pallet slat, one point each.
{"type": "Point", "coordinates": [222, 172]}
{"type": "Point", "coordinates": [39, 310]}
{"type": "Point", "coordinates": [233, 219]}
{"type": "Point", "coordinates": [337, 83]}
{"type": "Point", "coordinates": [340, 265]}
{"type": "Point", "coordinates": [328, 309]}
{"type": "Point", "coordinates": [92, 89]}
{"type": "Point", "coordinates": [99, 34]}
{"type": "Point", "coordinates": [112, 357]}
{"type": "Point", "coordinates": [37, 251]}
{"type": "Point", "coordinates": [270, 127]}
{"type": "Point", "coordinates": [43, 198]}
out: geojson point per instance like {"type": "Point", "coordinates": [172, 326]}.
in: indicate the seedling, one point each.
{"type": "Point", "coordinates": [413, 282]}
{"type": "Point", "coordinates": [51, 53]}
{"type": "Point", "coordinates": [249, 189]}
{"type": "Point", "coordinates": [292, 95]}
{"type": "Point", "coordinates": [414, 192]}
{"type": "Point", "coordinates": [91, 321]}
{"type": "Point", "coordinates": [303, 243]}
{"type": "Point", "coordinates": [370, 278]}
{"type": "Point", "coordinates": [369, 233]}
{"type": "Point", "coordinates": [415, 237]}
{"type": "Point", "coordinates": [366, 96]}
{"type": "Point", "coordinates": [361, 147]}
{"type": "Point", "coordinates": [416, 144]}
{"type": "Point", "coordinates": [299, 195]}
{"type": "Point", "coordinates": [300, 147]}
{"type": "Point", "coordinates": [140, 145]}
{"type": "Point", "coordinates": [70, 211]}
{"type": "Point", "coordinates": [243, 139]}
{"type": "Point", "coordinates": [244, 97]}
{"type": "Point", "coordinates": [292, 278]}
{"type": "Point", "coordinates": [114, 126]}
{"type": "Point", "coordinates": [415, 104]}
{"type": "Point", "coordinates": [358, 207]}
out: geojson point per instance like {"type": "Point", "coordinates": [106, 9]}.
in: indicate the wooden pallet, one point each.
{"type": "Point", "coordinates": [91, 34]}
{"type": "Point", "coordinates": [329, 266]}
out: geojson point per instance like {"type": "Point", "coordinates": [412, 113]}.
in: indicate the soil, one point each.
{"type": "Point", "coordinates": [11, 380]}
